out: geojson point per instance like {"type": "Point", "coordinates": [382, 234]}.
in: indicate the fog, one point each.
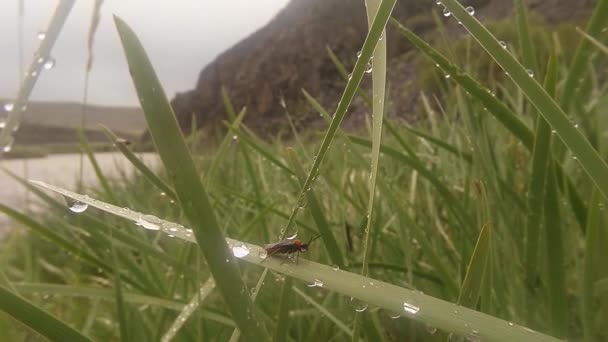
{"type": "Point", "coordinates": [181, 37]}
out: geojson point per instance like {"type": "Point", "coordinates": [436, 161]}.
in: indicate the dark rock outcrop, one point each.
{"type": "Point", "coordinates": [289, 54]}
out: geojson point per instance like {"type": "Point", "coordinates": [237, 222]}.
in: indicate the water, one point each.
{"type": "Point", "coordinates": [60, 170]}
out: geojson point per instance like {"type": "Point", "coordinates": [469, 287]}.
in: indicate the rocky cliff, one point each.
{"type": "Point", "coordinates": [289, 54]}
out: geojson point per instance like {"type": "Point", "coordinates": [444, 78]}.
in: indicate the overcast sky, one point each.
{"type": "Point", "coordinates": [181, 37]}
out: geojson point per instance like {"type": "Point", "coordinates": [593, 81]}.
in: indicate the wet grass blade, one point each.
{"type": "Point", "coordinates": [555, 259]}
{"type": "Point", "coordinates": [471, 286]}
{"type": "Point", "coordinates": [283, 315]}
{"type": "Point", "coordinates": [525, 39]}
{"type": "Point", "coordinates": [138, 164]}
{"type": "Point", "coordinates": [413, 304]}
{"type": "Point", "coordinates": [589, 274]}
{"type": "Point", "coordinates": [373, 36]}
{"type": "Point", "coordinates": [329, 240]}
{"type": "Point", "coordinates": [541, 156]}
{"type": "Point", "coordinates": [580, 147]}
{"type": "Point", "coordinates": [37, 319]}
{"type": "Point", "coordinates": [192, 195]}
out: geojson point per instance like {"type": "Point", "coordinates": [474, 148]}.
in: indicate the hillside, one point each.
{"type": "Point", "coordinates": [289, 54]}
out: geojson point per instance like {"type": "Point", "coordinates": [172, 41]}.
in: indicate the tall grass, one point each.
{"type": "Point", "coordinates": [477, 227]}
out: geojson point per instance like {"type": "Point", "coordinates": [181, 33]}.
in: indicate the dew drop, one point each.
{"type": "Point", "coordinates": [368, 68]}
{"type": "Point", "coordinates": [575, 125]}
{"type": "Point", "coordinates": [77, 206]}
{"type": "Point", "coordinates": [446, 12]}
{"type": "Point", "coordinates": [49, 64]}
{"type": "Point", "coordinates": [410, 308]}
{"type": "Point", "coordinates": [358, 305]}
{"type": "Point", "coordinates": [34, 73]}
{"type": "Point", "coordinates": [502, 44]}
{"type": "Point", "coordinates": [235, 137]}
{"type": "Point", "coordinates": [263, 254]}
{"type": "Point", "coordinates": [335, 267]}
{"type": "Point", "coordinates": [437, 2]}
{"type": "Point", "coordinates": [394, 316]}
{"type": "Point", "coordinates": [358, 54]}
{"type": "Point", "coordinates": [553, 131]}
{"type": "Point", "coordinates": [2, 124]}
{"type": "Point", "coordinates": [446, 76]}
{"type": "Point", "coordinates": [9, 106]}
{"type": "Point", "coordinates": [293, 236]}
{"type": "Point", "coordinates": [530, 72]}
{"type": "Point", "coordinates": [511, 324]}
{"type": "Point", "coordinates": [41, 35]}
{"type": "Point", "coordinates": [470, 10]}
{"type": "Point", "coordinates": [240, 250]}
{"type": "Point", "coordinates": [316, 283]}
{"type": "Point", "coordinates": [150, 222]}
{"type": "Point", "coordinates": [350, 76]}
{"type": "Point", "coordinates": [431, 329]}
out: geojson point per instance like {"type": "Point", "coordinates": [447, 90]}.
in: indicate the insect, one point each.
{"type": "Point", "coordinates": [288, 247]}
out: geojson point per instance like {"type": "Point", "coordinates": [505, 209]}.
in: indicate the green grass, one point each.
{"type": "Point", "coordinates": [470, 221]}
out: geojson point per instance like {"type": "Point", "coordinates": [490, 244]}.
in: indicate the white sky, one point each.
{"type": "Point", "coordinates": [180, 36]}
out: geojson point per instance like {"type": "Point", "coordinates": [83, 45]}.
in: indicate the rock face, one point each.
{"type": "Point", "coordinates": [289, 54]}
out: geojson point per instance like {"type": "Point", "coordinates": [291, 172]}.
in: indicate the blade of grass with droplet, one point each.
{"type": "Point", "coordinates": [329, 241]}
{"type": "Point", "coordinates": [555, 259]}
{"type": "Point", "coordinates": [192, 195]}
{"type": "Point", "coordinates": [221, 151]}
{"type": "Point", "coordinates": [121, 309]}
{"type": "Point", "coordinates": [342, 71]}
{"type": "Point", "coordinates": [433, 311]}
{"type": "Point", "coordinates": [580, 147]}
{"type": "Point", "coordinates": [373, 36]}
{"type": "Point", "coordinates": [138, 164]}
{"type": "Point", "coordinates": [378, 64]}
{"type": "Point", "coordinates": [578, 66]}
{"type": "Point", "coordinates": [283, 320]}
{"type": "Point", "coordinates": [525, 39]}
{"type": "Point", "coordinates": [37, 319]}
{"type": "Point", "coordinates": [589, 273]}
{"type": "Point", "coordinates": [471, 285]}
{"type": "Point", "coordinates": [541, 157]}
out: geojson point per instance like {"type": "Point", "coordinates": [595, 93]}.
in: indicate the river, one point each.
{"type": "Point", "coordinates": [57, 169]}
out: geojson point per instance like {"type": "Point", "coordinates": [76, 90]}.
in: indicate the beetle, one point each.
{"type": "Point", "coordinates": [288, 247]}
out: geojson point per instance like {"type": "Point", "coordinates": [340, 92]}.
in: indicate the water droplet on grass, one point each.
{"type": "Point", "coordinates": [150, 222]}
{"type": "Point", "coordinates": [77, 206]}
{"type": "Point", "coordinates": [293, 236]}
{"type": "Point", "coordinates": [9, 106]}
{"type": "Point", "coordinates": [316, 283]}
{"type": "Point", "coordinates": [410, 308]}
{"type": "Point", "coordinates": [446, 12]}
{"type": "Point", "coordinates": [358, 305]}
{"type": "Point", "coordinates": [41, 35]}
{"type": "Point", "coordinates": [49, 64]}
{"type": "Point", "coordinates": [530, 72]}
{"type": "Point", "coordinates": [368, 68]}
{"type": "Point", "coordinates": [470, 10]}
{"type": "Point", "coordinates": [240, 250]}
{"type": "Point", "coordinates": [431, 329]}
{"type": "Point", "coordinates": [502, 44]}
{"type": "Point", "coordinates": [335, 267]}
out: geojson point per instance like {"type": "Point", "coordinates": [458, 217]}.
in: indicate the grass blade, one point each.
{"type": "Point", "coordinates": [39, 320]}
{"type": "Point", "coordinates": [413, 304]}
{"type": "Point", "coordinates": [471, 286]}
{"type": "Point", "coordinates": [138, 164]}
{"type": "Point", "coordinates": [540, 167]}
{"type": "Point", "coordinates": [329, 240]}
{"type": "Point", "coordinates": [593, 230]}
{"type": "Point", "coordinates": [555, 259]}
{"type": "Point", "coordinates": [283, 315]}
{"type": "Point", "coordinates": [189, 309]}
{"type": "Point", "coordinates": [588, 157]}
{"type": "Point", "coordinates": [373, 36]}
{"type": "Point", "coordinates": [190, 191]}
